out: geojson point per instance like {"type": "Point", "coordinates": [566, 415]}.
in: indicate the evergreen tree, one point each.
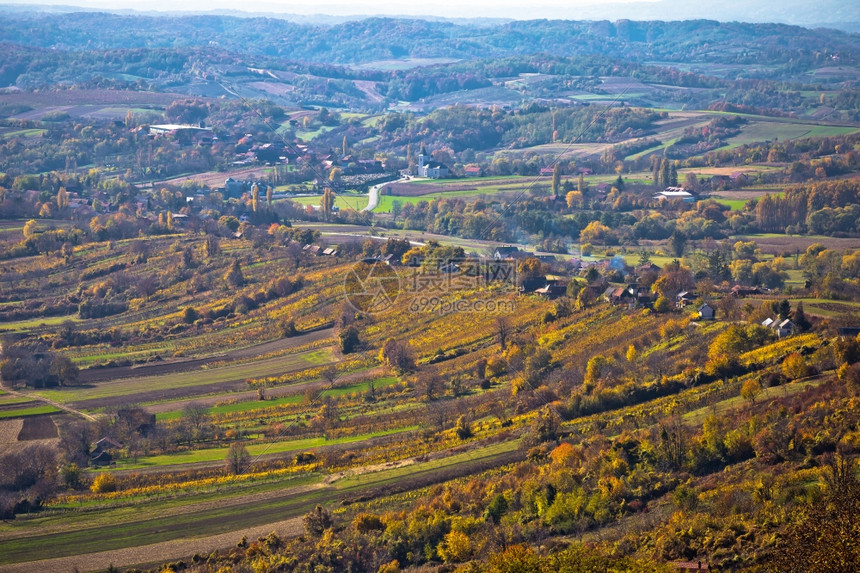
{"type": "Point", "coordinates": [800, 319]}
{"type": "Point", "coordinates": [556, 180]}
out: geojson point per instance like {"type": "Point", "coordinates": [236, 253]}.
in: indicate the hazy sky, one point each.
{"type": "Point", "coordinates": [565, 9]}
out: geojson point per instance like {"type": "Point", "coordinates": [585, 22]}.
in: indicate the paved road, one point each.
{"type": "Point", "coordinates": [373, 194]}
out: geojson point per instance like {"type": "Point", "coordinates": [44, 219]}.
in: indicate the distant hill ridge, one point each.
{"type": "Point", "coordinates": [371, 39]}
{"type": "Point", "coordinates": [839, 13]}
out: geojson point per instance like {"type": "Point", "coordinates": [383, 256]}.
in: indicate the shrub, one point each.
{"type": "Point", "coordinates": [317, 521]}
{"type": "Point", "coordinates": [104, 483]}
{"type": "Point", "coordinates": [367, 522]}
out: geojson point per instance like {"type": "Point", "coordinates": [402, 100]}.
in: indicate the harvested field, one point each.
{"type": "Point", "coordinates": [175, 366]}
{"type": "Point", "coordinates": [172, 385]}
{"type": "Point", "coordinates": [38, 428]}
{"type": "Point", "coordinates": [216, 178]}
{"type": "Point", "coordinates": [416, 190]}
{"type": "Point", "coordinates": [9, 430]}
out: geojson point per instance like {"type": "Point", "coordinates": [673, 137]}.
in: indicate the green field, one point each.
{"type": "Point", "coordinates": [24, 412]}
{"type": "Point", "coordinates": [766, 130]}
{"type": "Point", "coordinates": [256, 450]}
{"type": "Point", "coordinates": [356, 201]}
{"type": "Point", "coordinates": [306, 135]}
{"type": "Point", "coordinates": [23, 133]}
{"type": "Point", "coordinates": [9, 400]}
{"type": "Point", "coordinates": [733, 204]}
{"type": "Point", "coordinates": [33, 323]}
{"type": "Point", "coordinates": [234, 407]}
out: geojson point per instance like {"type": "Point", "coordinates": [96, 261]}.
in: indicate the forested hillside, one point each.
{"type": "Point", "coordinates": [791, 48]}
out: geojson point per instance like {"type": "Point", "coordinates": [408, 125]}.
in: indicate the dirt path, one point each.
{"type": "Point", "coordinates": [68, 409]}
{"type": "Point", "coordinates": [156, 552]}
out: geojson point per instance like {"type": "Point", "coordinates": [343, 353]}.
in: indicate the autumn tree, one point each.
{"type": "Point", "coordinates": [62, 198]}
{"type": "Point", "coordinates": [531, 268]}
{"type": "Point", "coordinates": [397, 355]}
{"type": "Point", "coordinates": [195, 414]}
{"type": "Point", "coordinates": [255, 197]}
{"type": "Point", "coordinates": [65, 371]}
{"type": "Point", "coordinates": [596, 232]}
{"type": "Point", "coordinates": [673, 279]}
{"type": "Point", "coordinates": [234, 276]}
{"type": "Point", "coordinates": [794, 366]}
{"type": "Point", "coordinates": [329, 374]}
{"type": "Point", "coordinates": [238, 459]}
{"type": "Point", "coordinates": [503, 330]}
{"type": "Point", "coordinates": [750, 390]}
{"type": "Point", "coordinates": [212, 246]}
{"type": "Point", "coordinates": [105, 482]}
{"type": "Point", "coordinates": [824, 538]}
{"type": "Point", "coordinates": [632, 353]}
{"type": "Point", "coordinates": [327, 203]}
{"type": "Point", "coordinates": [463, 428]}
{"type": "Point", "coordinates": [573, 199]}
{"type": "Point", "coordinates": [31, 227]}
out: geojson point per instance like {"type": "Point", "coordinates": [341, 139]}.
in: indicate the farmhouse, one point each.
{"type": "Point", "coordinates": [675, 193]}
{"type": "Point", "coordinates": [706, 312]}
{"type": "Point", "coordinates": [744, 291]}
{"type": "Point", "coordinates": [782, 328]}
{"type": "Point", "coordinates": [183, 133]}
{"type": "Point", "coordinates": [684, 298]}
{"type": "Point", "coordinates": [100, 455]}
{"type": "Point", "coordinates": [502, 253]}
{"type": "Point", "coordinates": [552, 291]}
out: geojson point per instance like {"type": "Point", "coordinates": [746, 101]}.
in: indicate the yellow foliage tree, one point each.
{"type": "Point", "coordinates": [750, 390]}
{"type": "Point", "coordinates": [455, 548]}
{"type": "Point", "coordinates": [794, 366]}
{"type": "Point", "coordinates": [574, 199]}
{"type": "Point", "coordinates": [595, 232]}
{"type": "Point", "coordinates": [632, 353]}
